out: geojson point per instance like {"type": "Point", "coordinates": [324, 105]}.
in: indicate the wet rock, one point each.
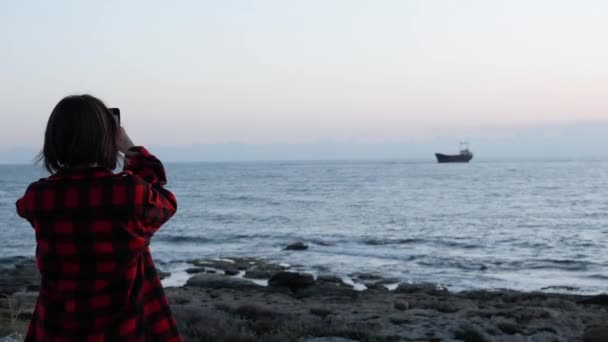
{"type": "Point", "coordinates": [216, 281]}
{"type": "Point", "coordinates": [225, 263]}
{"type": "Point", "coordinates": [14, 337]}
{"type": "Point", "coordinates": [20, 277]}
{"type": "Point", "coordinates": [377, 286]}
{"type": "Point", "coordinates": [162, 274]}
{"type": "Point", "coordinates": [560, 288]}
{"type": "Point", "coordinates": [327, 290]}
{"type": "Point", "coordinates": [231, 272]}
{"type": "Point", "coordinates": [257, 274]}
{"type": "Point", "coordinates": [373, 281]}
{"type": "Point", "coordinates": [251, 265]}
{"type": "Point", "coordinates": [329, 279]}
{"type": "Point", "coordinates": [332, 282]}
{"type": "Point", "coordinates": [195, 270]}
{"type": "Point", "coordinates": [427, 288]}
{"type": "Point", "coordinates": [293, 281]}
{"type": "Point", "coordinates": [366, 276]}
{"type": "Point", "coordinates": [298, 246]}
{"type": "Point", "coordinates": [596, 300]}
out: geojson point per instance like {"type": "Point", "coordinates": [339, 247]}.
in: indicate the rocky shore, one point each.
{"type": "Point", "coordinates": [251, 299]}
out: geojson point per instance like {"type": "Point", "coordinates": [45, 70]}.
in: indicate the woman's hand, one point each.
{"type": "Point", "coordinates": [124, 142]}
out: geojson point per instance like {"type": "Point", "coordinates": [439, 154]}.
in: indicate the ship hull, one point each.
{"type": "Point", "coordinates": [458, 158]}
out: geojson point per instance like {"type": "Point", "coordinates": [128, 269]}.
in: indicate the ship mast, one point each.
{"type": "Point", "coordinates": [464, 146]}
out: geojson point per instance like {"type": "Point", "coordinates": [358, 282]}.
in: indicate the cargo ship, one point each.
{"type": "Point", "coordinates": [464, 156]}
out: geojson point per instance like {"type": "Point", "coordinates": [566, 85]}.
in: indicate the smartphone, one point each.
{"type": "Point", "coordinates": [116, 113]}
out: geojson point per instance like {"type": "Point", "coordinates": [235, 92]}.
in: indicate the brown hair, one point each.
{"type": "Point", "coordinates": [81, 132]}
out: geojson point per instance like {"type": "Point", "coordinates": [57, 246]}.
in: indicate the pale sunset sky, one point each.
{"type": "Point", "coordinates": [194, 75]}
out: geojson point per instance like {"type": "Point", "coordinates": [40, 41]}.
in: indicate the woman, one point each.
{"type": "Point", "coordinates": [93, 229]}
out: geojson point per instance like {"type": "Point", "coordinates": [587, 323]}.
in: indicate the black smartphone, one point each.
{"type": "Point", "coordinates": [116, 113]}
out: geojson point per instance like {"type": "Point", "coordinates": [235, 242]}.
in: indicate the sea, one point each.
{"type": "Point", "coordinates": [523, 225]}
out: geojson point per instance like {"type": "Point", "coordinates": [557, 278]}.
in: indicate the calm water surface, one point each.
{"type": "Point", "coordinates": [520, 225]}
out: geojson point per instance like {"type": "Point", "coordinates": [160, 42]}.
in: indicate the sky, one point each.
{"type": "Point", "coordinates": [329, 77]}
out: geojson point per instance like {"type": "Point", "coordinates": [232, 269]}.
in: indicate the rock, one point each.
{"type": "Point", "coordinates": [377, 286]}
{"type": "Point", "coordinates": [225, 263]}
{"type": "Point", "coordinates": [596, 334]}
{"type": "Point", "coordinates": [294, 281]}
{"type": "Point", "coordinates": [324, 309]}
{"type": "Point", "coordinates": [402, 306]}
{"type": "Point", "coordinates": [298, 246]}
{"type": "Point", "coordinates": [321, 312]}
{"type": "Point", "coordinates": [24, 302]}
{"type": "Point", "coordinates": [195, 270]}
{"type": "Point", "coordinates": [560, 288]}
{"type": "Point", "coordinates": [366, 276]}
{"type": "Point", "coordinates": [509, 328]}
{"type": "Point", "coordinates": [483, 295]}
{"type": "Point", "coordinates": [162, 275]}
{"type": "Point", "coordinates": [398, 319]}
{"type": "Point", "coordinates": [443, 306]}
{"type": "Point", "coordinates": [36, 287]}
{"type": "Point", "coordinates": [515, 338]}
{"type": "Point", "coordinates": [329, 279]}
{"type": "Point", "coordinates": [257, 274]}
{"type": "Point", "coordinates": [24, 275]}
{"type": "Point", "coordinates": [231, 272]}
{"type": "Point", "coordinates": [327, 290]}
{"type": "Point", "coordinates": [469, 333]}
{"type": "Point", "coordinates": [216, 281]}
{"type": "Point", "coordinates": [255, 267]}
{"type": "Point", "coordinates": [423, 287]}
{"type": "Point", "coordinates": [329, 339]}
{"type": "Point", "coordinates": [601, 299]}
{"type": "Point", "coordinates": [14, 337]}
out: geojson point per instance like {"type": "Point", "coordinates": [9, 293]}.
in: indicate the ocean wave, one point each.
{"type": "Point", "coordinates": [560, 264]}
{"type": "Point", "coordinates": [11, 261]}
{"type": "Point", "coordinates": [272, 219]}
{"type": "Point", "coordinates": [248, 199]}
{"type": "Point", "coordinates": [438, 242]}
{"type": "Point", "coordinates": [171, 238]}
{"type": "Point", "coordinates": [561, 288]}
{"type": "Point", "coordinates": [464, 245]}
{"type": "Point", "coordinates": [451, 262]}
{"type": "Point", "coordinates": [598, 276]}
{"type": "Point", "coordinates": [380, 242]}
{"type": "Point", "coordinates": [353, 251]}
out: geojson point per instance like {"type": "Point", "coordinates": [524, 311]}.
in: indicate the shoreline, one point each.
{"type": "Point", "coordinates": [225, 300]}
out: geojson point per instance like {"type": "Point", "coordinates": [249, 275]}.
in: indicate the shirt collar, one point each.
{"type": "Point", "coordinates": [81, 173]}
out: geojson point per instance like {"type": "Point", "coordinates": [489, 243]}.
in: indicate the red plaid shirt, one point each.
{"type": "Point", "coordinates": [93, 229]}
